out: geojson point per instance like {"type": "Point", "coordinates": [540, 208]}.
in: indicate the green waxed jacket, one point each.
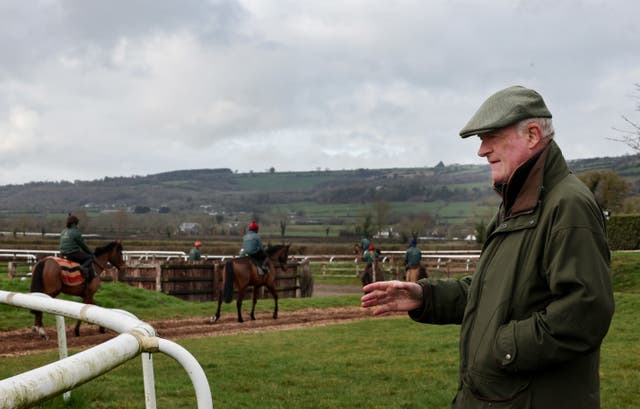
{"type": "Point", "coordinates": [71, 241]}
{"type": "Point", "coordinates": [535, 312]}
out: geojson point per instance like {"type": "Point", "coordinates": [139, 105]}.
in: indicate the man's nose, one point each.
{"type": "Point", "coordinates": [484, 149]}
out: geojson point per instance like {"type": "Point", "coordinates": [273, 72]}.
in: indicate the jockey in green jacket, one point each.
{"type": "Point", "coordinates": [73, 247]}
{"type": "Point", "coordinates": [194, 254]}
{"type": "Point", "coordinates": [252, 246]}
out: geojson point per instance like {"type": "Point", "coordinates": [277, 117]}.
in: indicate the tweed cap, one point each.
{"type": "Point", "coordinates": [504, 108]}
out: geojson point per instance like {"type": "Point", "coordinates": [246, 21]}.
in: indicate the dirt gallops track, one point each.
{"type": "Point", "coordinates": [24, 341]}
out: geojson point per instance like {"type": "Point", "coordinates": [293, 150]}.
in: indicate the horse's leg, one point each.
{"type": "Point", "coordinates": [217, 316]}
{"type": "Point", "coordinates": [38, 327]}
{"type": "Point", "coordinates": [255, 300]}
{"type": "Point", "coordinates": [241, 291]}
{"type": "Point", "coordinates": [274, 293]}
{"type": "Point", "coordinates": [45, 279]}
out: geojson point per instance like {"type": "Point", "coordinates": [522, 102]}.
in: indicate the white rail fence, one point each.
{"type": "Point", "coordinates": [136, 338]}
{"type": "Point", "coordinates": [445, 262]}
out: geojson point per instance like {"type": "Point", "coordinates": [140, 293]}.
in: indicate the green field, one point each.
{"type": "Point", "coordinates": [375, 363]}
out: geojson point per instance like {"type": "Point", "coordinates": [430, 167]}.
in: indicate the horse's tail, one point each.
{"type": "Point", "coordinates": [227, 293]}
{"type": "Point", "coordinates": [37, 283]}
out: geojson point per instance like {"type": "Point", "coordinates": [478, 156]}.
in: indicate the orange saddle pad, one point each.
{"type": "Point", "coordinates": [70, 271]}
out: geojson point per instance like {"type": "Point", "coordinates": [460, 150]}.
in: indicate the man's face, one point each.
{"type": "Point", "coordinates": [505, 150]}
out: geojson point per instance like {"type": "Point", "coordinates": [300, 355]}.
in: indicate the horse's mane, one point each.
{"type": "Point", "coordinates": [283, 249]}
{"type": "Point", "coordinates": [108, 248]}
{"type": "Point", "coordinates": [274, 249]}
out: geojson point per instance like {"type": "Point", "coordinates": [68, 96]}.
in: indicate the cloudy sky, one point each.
{"type": "Point", "coordinates": [90, 89]}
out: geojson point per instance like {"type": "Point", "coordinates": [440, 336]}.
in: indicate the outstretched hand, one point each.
{"type": "Point", "coordinates": [391, 296]}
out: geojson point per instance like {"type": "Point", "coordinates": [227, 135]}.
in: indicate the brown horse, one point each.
{"type": "Point", "coordinates": [47, 279]}
{"type": "Point", "coordinates": [370, 273]}
{"type": "Point", "coordinates": [243, 272]}
{"type": "Point", "coordinates": [416, 273]}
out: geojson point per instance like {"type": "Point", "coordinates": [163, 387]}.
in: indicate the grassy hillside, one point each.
{"type": "Point", "coordinates": [316, 204]}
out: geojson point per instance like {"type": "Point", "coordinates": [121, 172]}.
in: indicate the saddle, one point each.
{"type": "Point", "coordinates": [263, 269]}
{"type": "Point", "coordinates": [70, 271]}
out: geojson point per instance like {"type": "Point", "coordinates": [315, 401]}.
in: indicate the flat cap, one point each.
{"type": "Point", "coordinates": [504, 108]}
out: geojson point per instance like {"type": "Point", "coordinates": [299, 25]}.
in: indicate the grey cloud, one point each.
{"type": "Point", "coordinates": [212, 83]}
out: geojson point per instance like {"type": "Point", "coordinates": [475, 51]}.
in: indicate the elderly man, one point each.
{"type": "Point", "coordinates": [535, 312]}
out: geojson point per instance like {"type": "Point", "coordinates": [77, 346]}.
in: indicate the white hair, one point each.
{"type": "Point", "coordinates": [545, 124]}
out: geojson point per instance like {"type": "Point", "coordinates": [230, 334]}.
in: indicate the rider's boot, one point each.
{"type": "Point", "coordinates": [87, 270]}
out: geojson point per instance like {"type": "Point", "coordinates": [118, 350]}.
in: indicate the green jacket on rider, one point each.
{"type": "Point", "coordinates": [71, 241]}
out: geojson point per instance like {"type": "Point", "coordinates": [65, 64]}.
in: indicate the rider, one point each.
{"type": "Point", "coordinates": [370, 257]}
{"type": "Point", "coordinates": [364, 245]}
{"type": "Point", "coordinates": [73, 247]}
{"type": "Point", "coordinates": [412, 258]}
{"type": "Point", "coordinates": [194, 254]}
{"type": "Point", "coordinates": [252, 247]}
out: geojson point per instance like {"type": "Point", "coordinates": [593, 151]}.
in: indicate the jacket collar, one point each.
{"type": "Point", "coordinates": [524, 190]}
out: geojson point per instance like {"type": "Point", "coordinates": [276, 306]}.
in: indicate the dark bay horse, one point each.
{"type": "Point", "coordinates": [242, 272]}
{"type": "Point", "coordinates": [416, 273]}
{"type": "Point", "coordinates": [47, 278]}
{"type": "Point", "coordinates": [369, 273]}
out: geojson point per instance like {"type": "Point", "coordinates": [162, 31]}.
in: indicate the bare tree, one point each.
{"type": "Point", "coordinates": [631, 136]}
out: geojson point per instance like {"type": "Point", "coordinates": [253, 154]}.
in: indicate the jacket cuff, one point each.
{"type": "Point", "coordinates": [421, 313]}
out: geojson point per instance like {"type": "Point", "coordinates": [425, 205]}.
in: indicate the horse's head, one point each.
{"type": "Point", "coordinates": [113, 253]}
{"type": "Point", "coordinates": [279, 254]}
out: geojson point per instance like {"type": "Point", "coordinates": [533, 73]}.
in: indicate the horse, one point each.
{"type": "Point", "coordinates": [47, 278]}
{"type": "Point", "coordinates": [243, 272]}
{"type": "Point", "coordinates": [370, 273]}
{"type": "Point", "coordinates": [415, 273]}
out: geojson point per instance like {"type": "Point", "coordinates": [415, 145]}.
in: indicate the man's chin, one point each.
{"type": "Point", "coordinates": [498, 179]}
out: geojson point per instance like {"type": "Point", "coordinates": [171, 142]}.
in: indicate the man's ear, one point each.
{"type": "Point", "coordinates": [534, 135]}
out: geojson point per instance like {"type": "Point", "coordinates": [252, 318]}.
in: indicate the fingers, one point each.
{"type": "Point", "coordinates": [384, 299]}
{"type": "Point", "coordinates": [381, 285]}
{"type": "Point", "coordinates": [371, 299]}
{"type": "Point", "coordinates": [382, 310]}
{"type": "Point", "coordinates": [391, 296]}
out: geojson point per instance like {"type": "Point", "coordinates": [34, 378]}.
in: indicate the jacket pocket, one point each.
{"type": "Point", "coordinates": [509, 389]}
{"type": "Point", "coordinates": [467, 399]}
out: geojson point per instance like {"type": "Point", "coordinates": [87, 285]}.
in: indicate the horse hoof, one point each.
{"type": "Point", "coordinates": [42, 333]}
{"type": "Point", "coordinates": [213, 319]}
